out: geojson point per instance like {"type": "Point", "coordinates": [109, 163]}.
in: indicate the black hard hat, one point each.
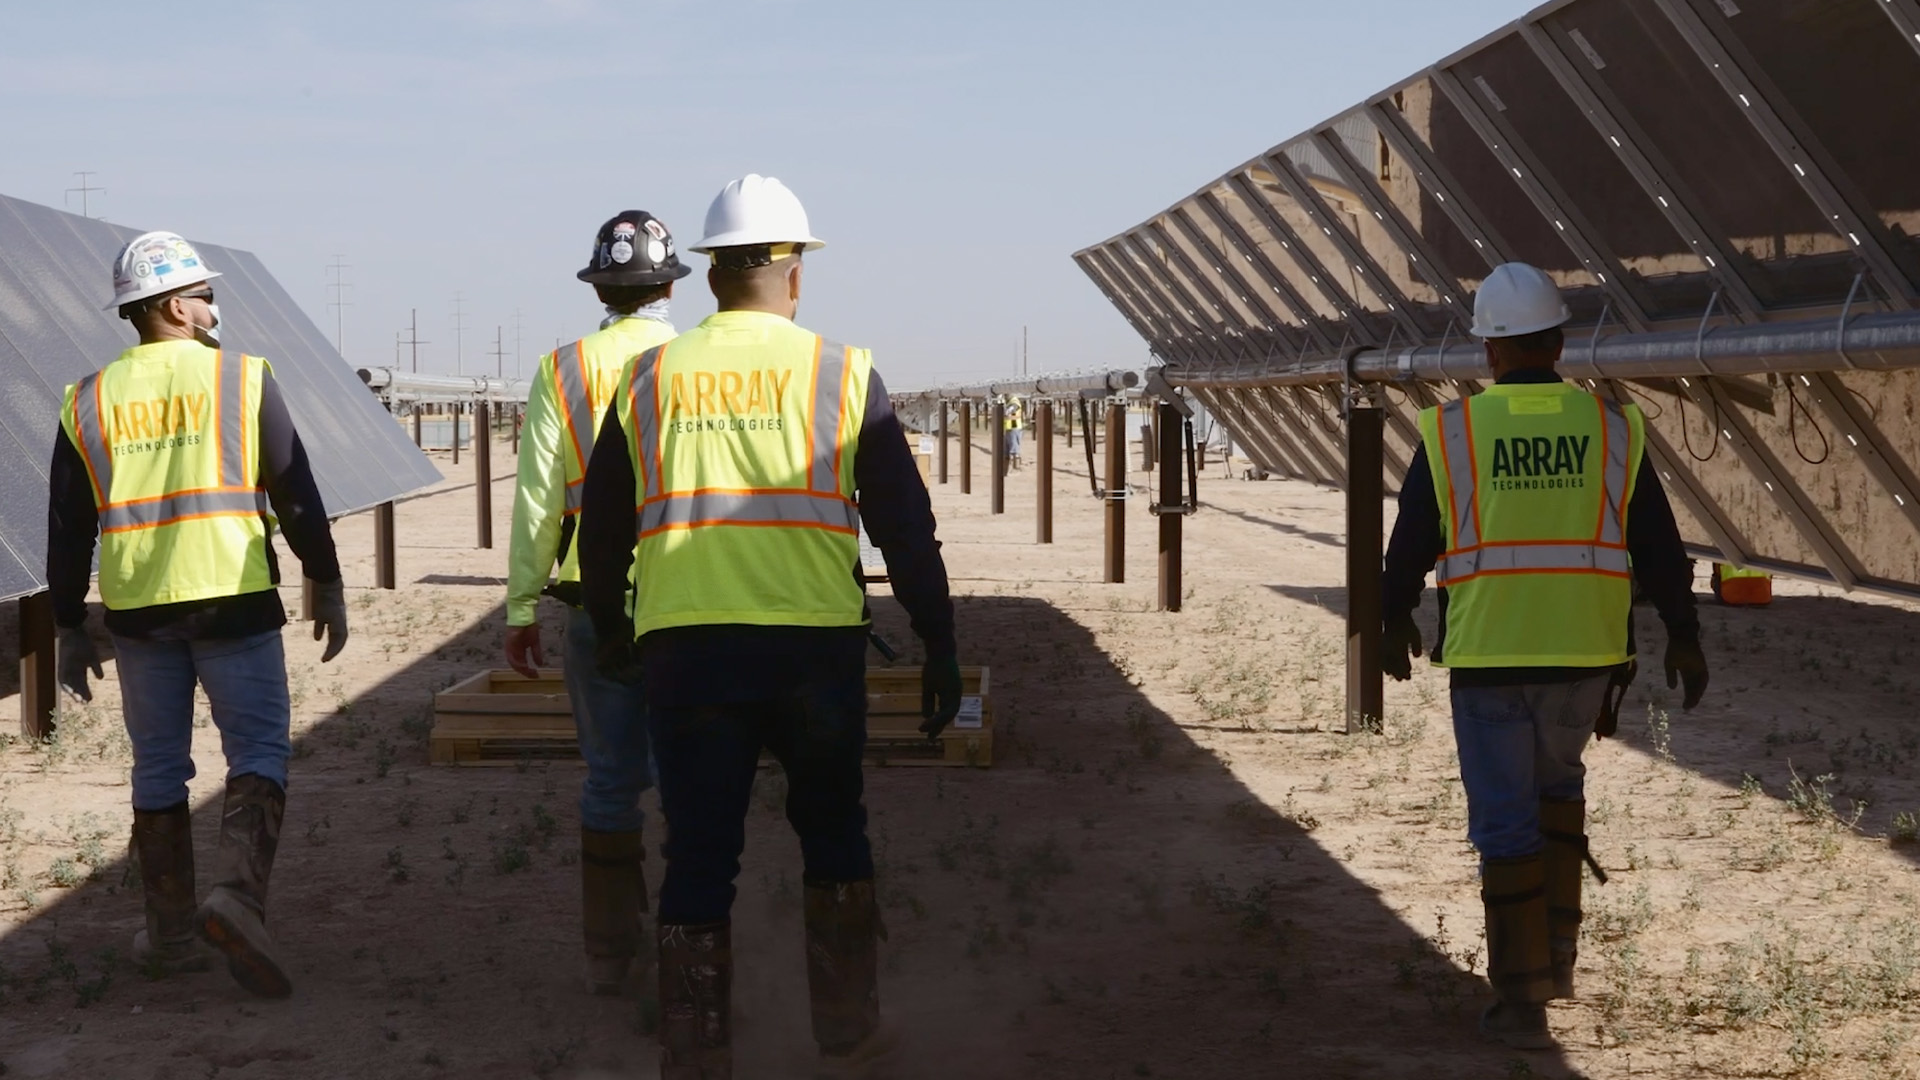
{"type": "Point", "coordinates": [633, 248]}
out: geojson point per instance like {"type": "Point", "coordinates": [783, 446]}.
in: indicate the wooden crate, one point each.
{"type": "Point", "coordinates": [503, 718]}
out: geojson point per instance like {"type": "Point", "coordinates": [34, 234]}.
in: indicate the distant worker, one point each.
{"type": "Point", "coordinates": [743, 443]}
{"type": "Point", "coordinates": [173, 455]}
{"type": "Point", "coordinates": [1013, 431]}
{"type": "Point", "coordinates": [1536, 503]}
{"type": "Point", "coordinates": [632, 270]}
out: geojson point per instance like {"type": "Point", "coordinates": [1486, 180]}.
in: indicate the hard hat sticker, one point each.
{"type": "Point", "coordinates": [623, 230]}
{"type": "Point", "coordinates": [622, 251]}
{"type": "Point", "coordinates": [656, 252]}
{"type": "Point", "coordinates": [656, 230]}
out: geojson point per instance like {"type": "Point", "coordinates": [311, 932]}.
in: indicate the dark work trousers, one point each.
{"type": "Point", "coordinates": [707, 756]}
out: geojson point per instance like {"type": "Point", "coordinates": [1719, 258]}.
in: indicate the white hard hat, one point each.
{"type": "Point", "coordinates": [756, 210]}
{"type": "Point", "coordinates": [154, 263]}
{"type": "Point", "coordinates": [1517, 299]}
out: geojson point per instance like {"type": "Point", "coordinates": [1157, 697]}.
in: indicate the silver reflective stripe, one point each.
{"type": "Point", "coordinates": [233, 418]}
{"type": "Point", "coordinates": [1613, 490]}
{"type": "Point", "coordinates": [574, 493]}
{"type": "Point", "coordinates": [750, 508]}
{"type": "Point", "coordinates": [646, 413]}
{"type": "Point", "coordinates": [1510, 558]}
{"type": "Point", "coordinates": [1457, 439]}
{"type": "Point", "coordinates": [571, 385]}
{"type": "Point", "coordinates": [827, 406]}
{"type": "Point", "coordinates": [175, 507]}
{"type": "Point", "coordinates": [93, 434]}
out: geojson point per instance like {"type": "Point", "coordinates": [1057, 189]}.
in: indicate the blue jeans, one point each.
{"type": "Point", "coordinates": [611, 718]}
{"type": "Point", "coordinates": [709, 755]}
{"type": "Point", "coordinates": [1518, 745]}
{"type": "Point", "coordinates": [246, 683]}
{"type": "Point", "coordinates": [1013, 443]}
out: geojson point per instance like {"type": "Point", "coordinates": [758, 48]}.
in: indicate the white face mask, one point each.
{"type": "Point", "coordinates": [209, 335]}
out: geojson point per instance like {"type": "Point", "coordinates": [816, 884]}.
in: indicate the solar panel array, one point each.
{"type": "Point", "coordinates": [55, 280]}
{"type": "Point", "coordinates": [1691, 172]}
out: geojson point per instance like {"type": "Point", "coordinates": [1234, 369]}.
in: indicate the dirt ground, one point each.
{"type": "Point", "coordinates": [1177, 867]}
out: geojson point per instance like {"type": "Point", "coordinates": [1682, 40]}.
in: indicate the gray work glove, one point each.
{"type": "Point", "coordinates": [330, 616]}
{"type": "Point", "coordinates": [74, 657]}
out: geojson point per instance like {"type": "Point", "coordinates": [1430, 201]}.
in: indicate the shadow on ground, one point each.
{"type": "Point", "coordinates": [1106, 900]}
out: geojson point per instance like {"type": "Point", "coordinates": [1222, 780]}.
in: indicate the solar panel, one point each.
{"type": "Point", "coordinates": [55, 280]}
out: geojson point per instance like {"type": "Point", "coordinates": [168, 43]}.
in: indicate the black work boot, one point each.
{"type": "Point", "coordinates": [1519, 962]}
{"type": "Point", "coordinates": [163, 842]}
{"type": "Point", "coordinates": [613, 896]}
{"type": "Point", "coordinates": [843, 935]}
{"type": "Point", "coordinates": [234, 918]}
{"type": "Point", "coordinates": [1563, 822]}
{"type": "Point", "coordinates": [696, 985]}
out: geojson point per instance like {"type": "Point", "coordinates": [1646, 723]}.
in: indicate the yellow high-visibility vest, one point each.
{"type": "Point", "coordinates": [572, 388]}
{"type": "Point", "coordinates": [742, 433]}
{"type": "Point", "coordinates": [1533, 481]}
{"type": "Point", "coordinates": [170, 433]}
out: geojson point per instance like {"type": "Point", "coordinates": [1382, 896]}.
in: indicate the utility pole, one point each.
{"type": "Point", "coordinates": [86, 188]}
{"type": "Point", "coordinates": [337, 289]}
{"type": "Point", "coordinates": [516, 343]}
{"type": "Point", "coordinates": [413, 338]}
{"type": "Point", "coordinates": [459, 328]}
{"type": "Point", "coordinates": [499, 354]}
{"type": "Point", "coordinates": [1023, 352]}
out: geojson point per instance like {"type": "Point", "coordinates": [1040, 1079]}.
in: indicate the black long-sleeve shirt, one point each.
{"type": "Point", "coordinates": [1659, 559]}
{"type": "Point", "coordinates": [73, 523]}
{"type": "Point", "coordinates": [693, 665]}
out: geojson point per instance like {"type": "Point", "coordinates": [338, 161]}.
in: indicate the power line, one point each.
{"type": "Point", "coordinates": [459, 332]}
{"type": "Point", "coordinates": [337, 293]}
{"type": "Point", "coordinates": [413, 337]}
{"type": "Point", "coordinates": [85, 189]}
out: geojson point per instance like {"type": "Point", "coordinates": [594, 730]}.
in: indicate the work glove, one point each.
{"type": "Point", "coordinates": [524, 654]}
{"type": "Point", "coordinates": [1607, 724]}
{"type": "Point", "coordinates": [330, 616]}
{"type": "Point", "coordinates": [618, 658]}
{"type": "Point", "coordinates": [1687, 665]}
{"type": "Point", "coordinates": [1399, 645]}
{"type": "Point", "coordinates": [74, 657]}
{"type": "Point", "coordinates": [939, 694]}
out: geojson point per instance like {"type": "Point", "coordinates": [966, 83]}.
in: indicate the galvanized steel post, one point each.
{"type": "Point", "coordinates": [1043, 470]}
{"type": "Point", "coordinates": [942, 407]}
{"type": "Point", "coordinates": [39, 677]}
{"type": "Point", "coordinates": [1116, 493]}
{"type": "Point", "coordinates": [966, 447]}
{"type": "Point", "coordinates": [483, 475]}
{"type": "Point", "coordinates": [384, 574]}
{"type": "Point", "coordinates": [1172, 499]}
{"type": "Point", "coordinates": [997, 440]}
{"type": "Point", "coordinates": [1366, 497]}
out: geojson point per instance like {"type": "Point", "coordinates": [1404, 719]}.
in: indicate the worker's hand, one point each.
{"type": "Point", "coordinates": [939, 694]}
{"type": "Point", "coordinates": [618, 658]}
{"type": "Point", "coordinates": [1399, 645]}
{"type": "Point", "coordinates": [1687, 665]}
{"type": "Point", "coordinates": [523, 650]}
{"type": "Point", "coordinates": [74, 657]}
{"type": "Point", "coordinates": [330, 616]}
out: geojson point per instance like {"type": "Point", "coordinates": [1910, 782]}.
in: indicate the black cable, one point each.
{"type": "Point", "coordinates": [1793, 405]}
{"type": "Point", "coordinates": [1086, 432]}
{"type": "Point", "coordinates": [1686, 439]}
{"type": "Point", "coordinates": [1193, 468]}
{"type": "Point", "coordinates": [1645, 397]}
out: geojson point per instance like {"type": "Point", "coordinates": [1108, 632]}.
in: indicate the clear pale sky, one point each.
{"type": "Point", "coordinates": [953, 156]}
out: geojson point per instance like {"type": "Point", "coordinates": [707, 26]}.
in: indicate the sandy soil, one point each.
{"type": "Point", "coordinates": [1179, 866]}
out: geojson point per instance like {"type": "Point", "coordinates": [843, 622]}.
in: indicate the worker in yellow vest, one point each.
{"type": "Point", "coordinates": [1534, 505]}
{"type": "Point", "coordinates": [632, 270]}
{"type": "Point", "coordinates": [173, 456]}
{"type": "Point", "coordinates": [1013, 425]}
{"type": "Point", "coordinates": [742, 458]}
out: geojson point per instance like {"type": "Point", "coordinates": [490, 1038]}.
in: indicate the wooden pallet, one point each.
{"type": "Point", "coordinates": [503, 718]}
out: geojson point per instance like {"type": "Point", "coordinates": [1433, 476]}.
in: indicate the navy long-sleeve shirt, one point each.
{"type": "Point", "coordinates": [73, 523]}
{"type": "Point", "coordinates": [692, 665]}
{"type": "Point", "coordinates": [1659, 558]}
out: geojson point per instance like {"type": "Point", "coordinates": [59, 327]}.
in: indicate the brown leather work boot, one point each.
{"type": "Point", "coordinates": [1519, 962]}
{"type": "Point", "coordinates": [1563, 823]}
{"type": "Point", "coordinates": [696, 985]}
{"type": "Point", "coordinates": [234, 917]}
{"type": "Point", "coordinates": [843, 934]}
{"type": "Point", "coordinates": [613, 896]}
{"type": "Point", "coordinates": [163, 842]}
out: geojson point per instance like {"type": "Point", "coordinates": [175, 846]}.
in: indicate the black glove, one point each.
{"type": "Point", "coordinates": [939, 694]}
{"type": "Point", "coordinates": [1400, 643]}
{"type": "Point", "coordinates": [618, 658]}
{"type": "Point", "coordinates": [1687, 665]}
{"type": "Point", "coordinates": [330, 616]}
{"type": "Point", "coordinates": [74, 657]}
{"type": "Point", "coordinates": [1607, 724]}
